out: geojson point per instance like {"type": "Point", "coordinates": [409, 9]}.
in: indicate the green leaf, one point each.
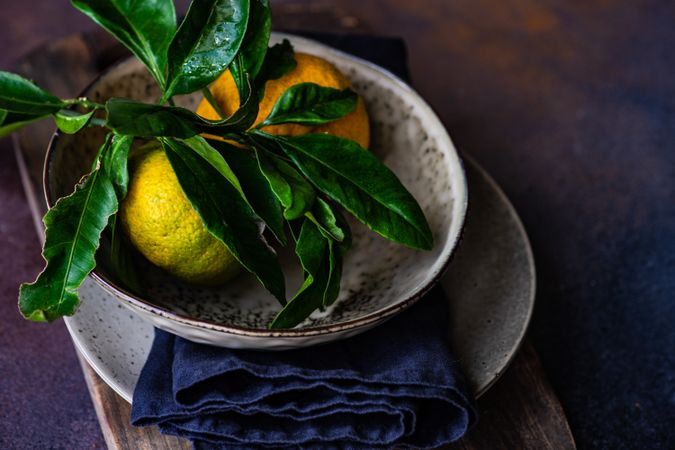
{"type": "Point", "coordinates": [256, 188]}
{"type": "Point", "coordinates": [230, 160]}
{"type": "Point", "coordinates": [247, 112]}
{"type": "Point", "coordinates": [332, 290]}
{"type": "Point", "coordinates": [334, 228]}
{"type": "Point", "coordinates": [10, 122]}
{"type": "Point", "coordinates": [226, 215]}
{"type": "Point", "coordinates": [257, 36]}
{"type": "Point", "coordinates": [342, 223]}
{"type": "Point", "coordinates": [321, 260]}
{"type": "Point", "coordinates": [73, 229]}
{"type": "Point", "coordinates": [202, 147]}
{"type": "Point", "coordinates": [279, 60]}
{"type": "Point", "coordinates": [205, 44]}
{"type": "Point", "coordinates": [311, 104]}
{"type": "Point", "coordinates": [244, 117]}
{"type": "Point", "coordinates": [307, 300]}
{"type": "Point", "coordinates": [71, 123]}
{"type": "Point", "coordinates": [324, 217]}
{"type": "Point", "coordinates": [254, 47]}
{"type": "Point", "coordinates": [278, 184]}
{"type": "Point", "coordinates": [144, 27]}
{"type": "Point", "coordinates": [208, 96]}
{"type": "Point", "coordinates": [293, 191]}
{"type": "Point", "coordinates": [20, 95]}
{"type": "Point", "coordinates": [121, 260]}
{"type": "Point", "coordinates": [129, 117]}
{"type": "Point", "coordinates": [354, 178]}
{"type": "Point", "coordinates": [312, 249]}
{"type": "Point", "coordinates": [114, 163]}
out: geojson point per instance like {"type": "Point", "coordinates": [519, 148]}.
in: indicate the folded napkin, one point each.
{"type": "Point", "coordinates": [396, 385]}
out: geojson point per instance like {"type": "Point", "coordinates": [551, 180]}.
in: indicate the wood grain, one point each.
{"type": "Point", "coordinates": [114, 416]}
{"type": "Point", "coordinates": [520, 411]}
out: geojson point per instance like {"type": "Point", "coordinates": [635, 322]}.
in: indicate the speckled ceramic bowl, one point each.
{"type": "Point", "coordinates": [380, 278]}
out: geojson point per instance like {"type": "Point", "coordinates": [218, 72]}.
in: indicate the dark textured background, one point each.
{"type": "Point", "coordinates": [570, 104]}
{"type": "Point", "coordinates": [43, 399]}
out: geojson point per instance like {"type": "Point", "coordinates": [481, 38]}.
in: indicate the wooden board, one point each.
{"type": "Point", "coordinates": [520, 411]}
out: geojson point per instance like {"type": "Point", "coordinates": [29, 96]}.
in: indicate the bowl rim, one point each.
{"type": "Point", "coordinates": [380, 315]}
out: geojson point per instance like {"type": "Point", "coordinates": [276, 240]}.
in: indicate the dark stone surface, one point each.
{"type": "Point", "coordinates": [44, 399]}
{"type": "Point", "coordinates": [569, 104]}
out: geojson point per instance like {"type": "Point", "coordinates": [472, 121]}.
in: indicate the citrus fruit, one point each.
{"type": "Point", "coordinates": [165, 228]}
{"type": "Point", "coordinates": [310, 69]}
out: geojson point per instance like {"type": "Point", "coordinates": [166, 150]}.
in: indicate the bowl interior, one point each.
{"type": "Point", "coordinates": [378, 275]}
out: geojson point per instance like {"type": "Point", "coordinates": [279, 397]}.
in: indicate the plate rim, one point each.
{"type": "Point", "coordinates": [531, 299]}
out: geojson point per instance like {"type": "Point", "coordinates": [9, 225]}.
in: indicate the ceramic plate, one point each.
{"type": "Point", "coordinates": [490, 287]}
{"type": "Point", "coordinates": [380, 278]}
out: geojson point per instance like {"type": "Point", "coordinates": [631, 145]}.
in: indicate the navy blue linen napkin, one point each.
{"type": "Point", "coordinates": [397, 385]}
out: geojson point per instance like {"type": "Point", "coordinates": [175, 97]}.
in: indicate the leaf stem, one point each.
{"type": "Point", "coordinates": [93, 121]}
{"type": "Point", "coordinates": [212, 101]}
{"type": "Point", "coordinates": [101, 150]}
{"type": "Point", "coordinates": [98, 122]}
{"type": "Point", "coordinates": [83, 101]}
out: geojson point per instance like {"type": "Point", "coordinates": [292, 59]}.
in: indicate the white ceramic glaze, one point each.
{"type": "Point", "coordinates": [380, 278]}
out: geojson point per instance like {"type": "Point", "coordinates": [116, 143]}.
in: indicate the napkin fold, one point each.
{"type": "Point", "coordinates": [396, 385]}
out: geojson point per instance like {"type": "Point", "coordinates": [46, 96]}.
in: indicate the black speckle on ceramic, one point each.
{"type": "Point", "coordinates": [380, 278]}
